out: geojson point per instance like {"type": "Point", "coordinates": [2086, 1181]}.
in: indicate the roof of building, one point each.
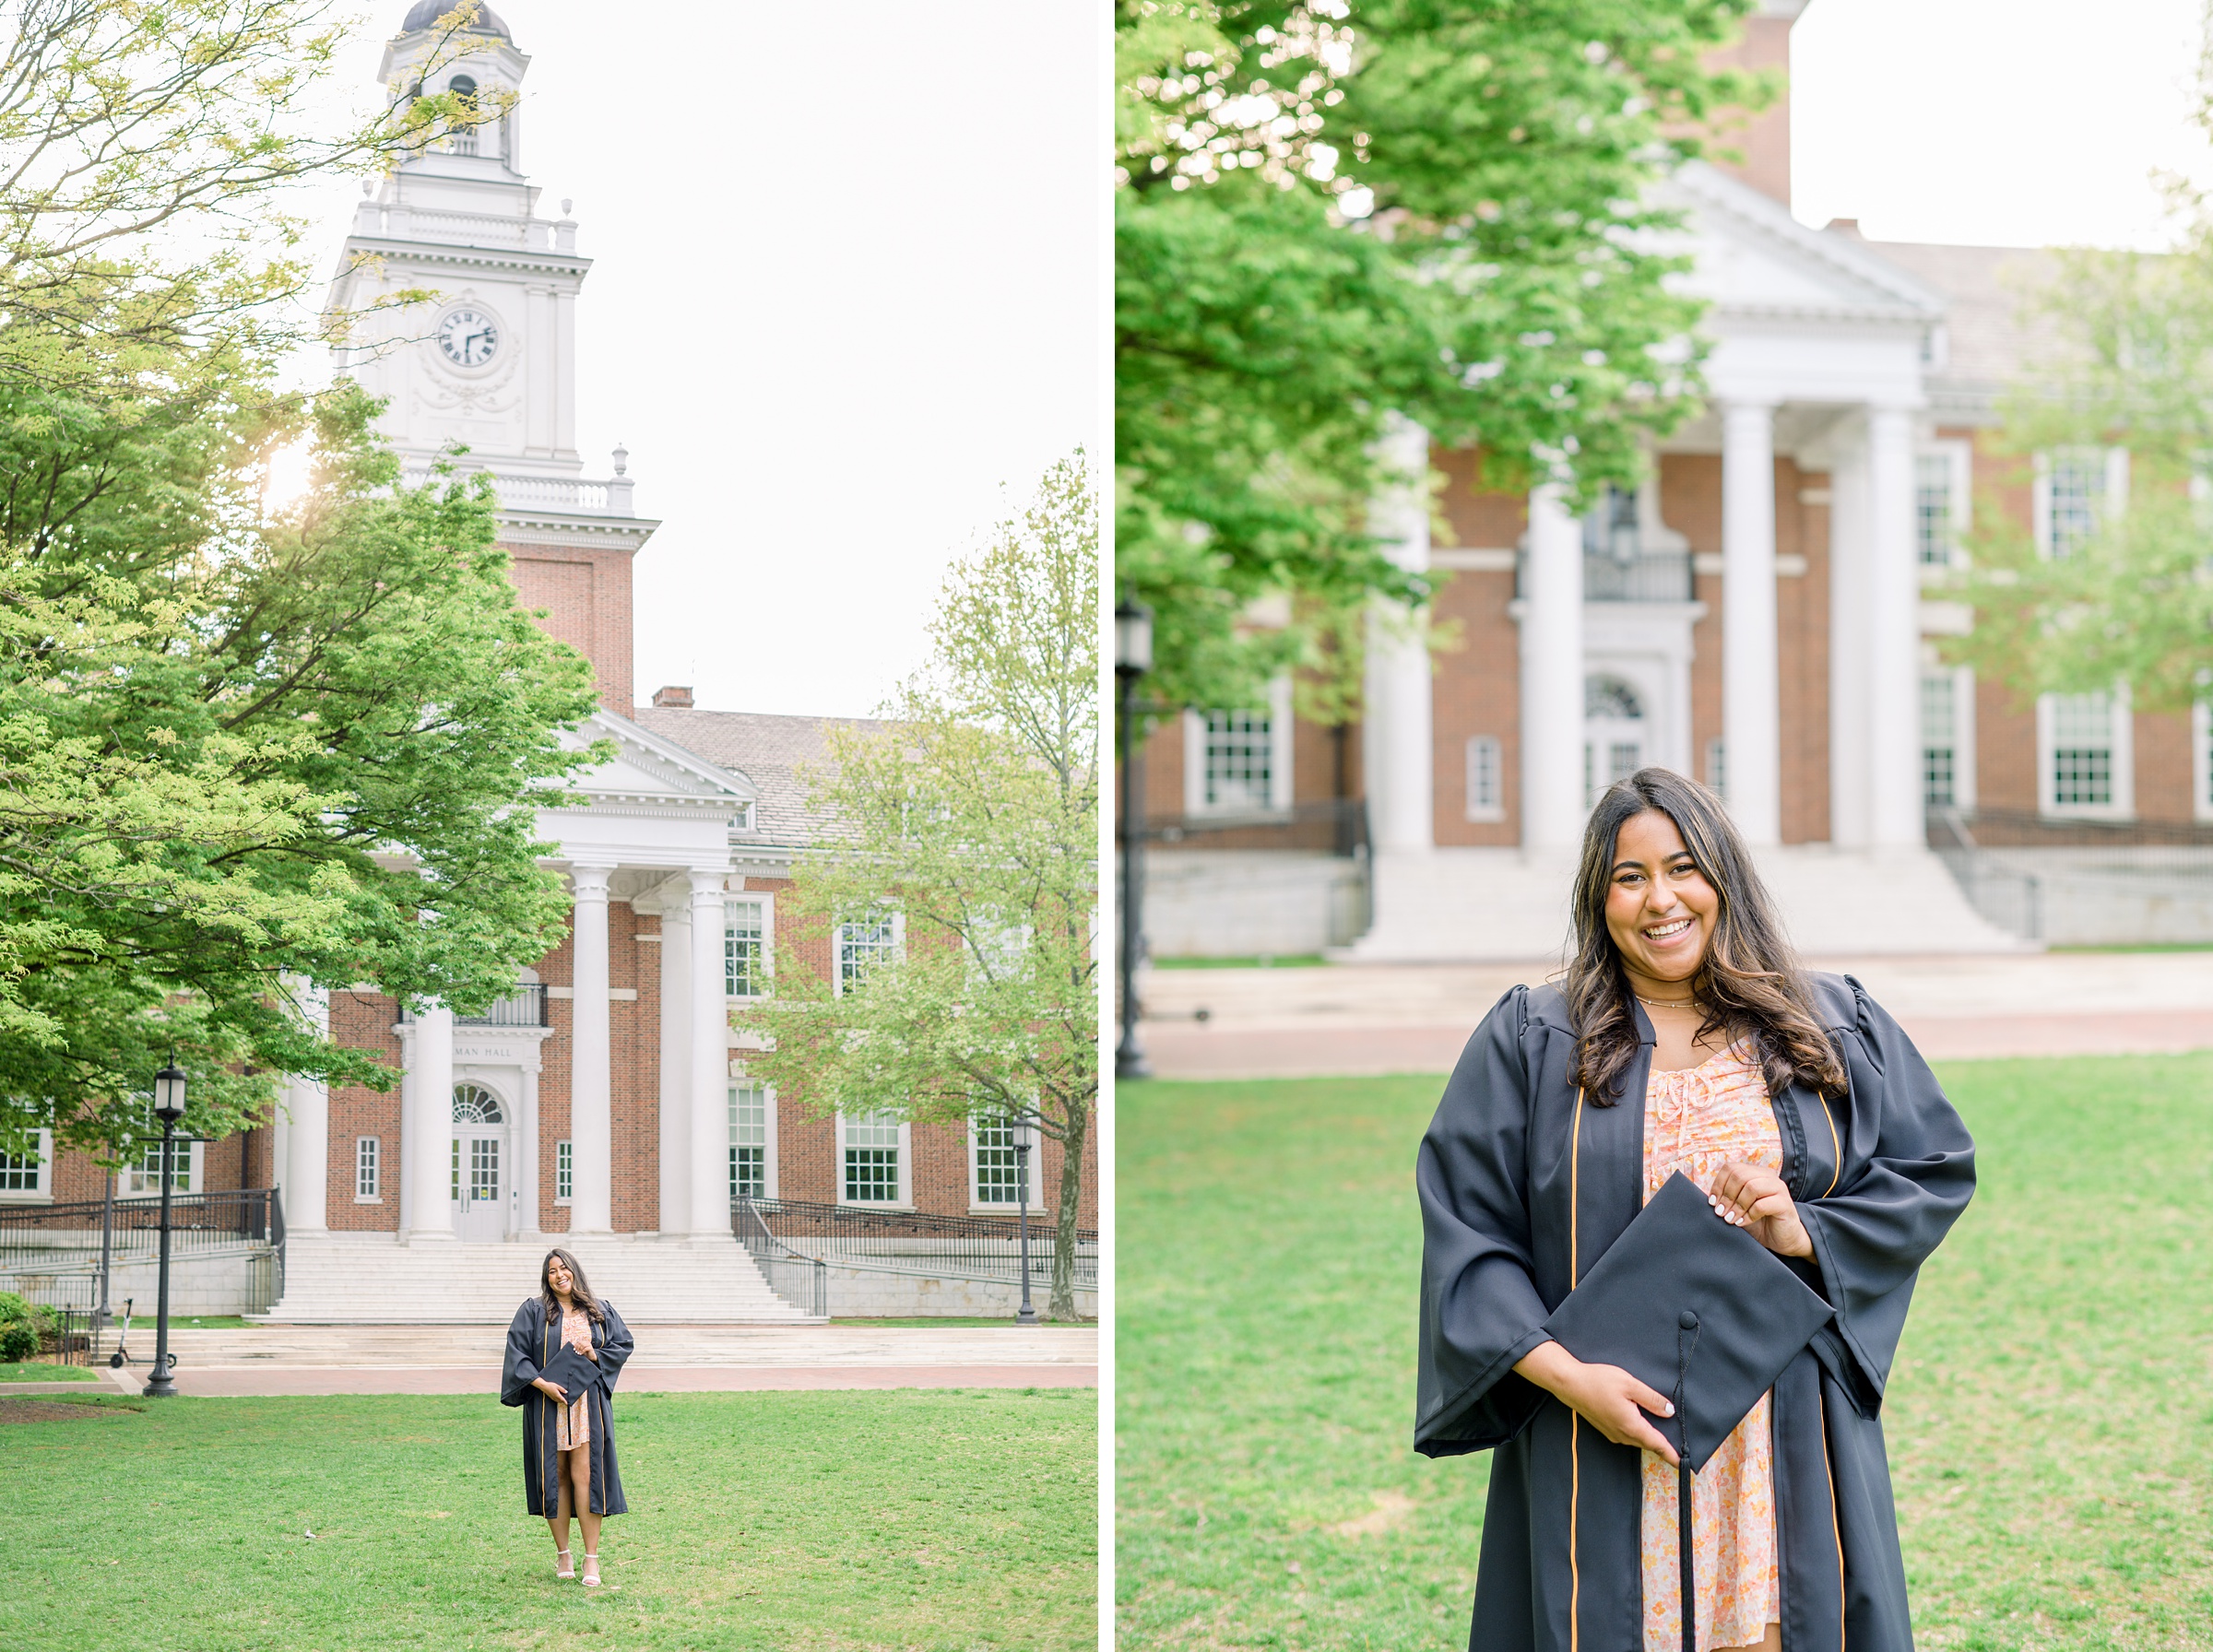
{"type": "Point", "coordinates": [424, 14]}
{"type": "Point", "coordinates": [770, 751]}
{"type": "Point", "coordinates": [1986, 340]}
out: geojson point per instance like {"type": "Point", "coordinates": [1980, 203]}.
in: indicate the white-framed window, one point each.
{"type": "Point", "coordinates": [873, 1159]}
{"type": "Point", "coordinates": [2201, 761]}
{"type": "Point", "coordinates": [1943, 496]}
{"type": "Point", "coordinates": [564, 1171]}
{"type": "Point", "coordinates": [995, 1181]}
{"type": "Point", "coordinates": [28, 1177]}
{"type": "Point", "coordinates": [743, 818]}
{"type": "Point", "coordinates": [1238, 762]}
{"type": "Point", "coordinates": [143, 1175]}
{"type": "Point", "coordinates": [862, 944]}
{"type": "Point", "coordinates": [1947, 736]}
{"type": "Point", "coordinates": [748, 925]}
{"type": "Point", "coordinates": [1717, 767]}
{"type": "Point", "coordinates": [752, 1139]}
{"type": "Point", "coordinates": [2077, 488]}
{"type": "Point", "coordinates": [368, 1170]}
{"type": "Point", "coordinates": [1485, 778]}
{"type": "Point", "coordinates": [2086, 755]}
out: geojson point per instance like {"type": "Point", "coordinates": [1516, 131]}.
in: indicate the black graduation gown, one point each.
{"type": "Point", "coordinates": [1522, 1189]}
{"type": "Point", "coordinates": [531, 1340]}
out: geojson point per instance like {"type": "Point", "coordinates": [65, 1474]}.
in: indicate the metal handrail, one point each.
{"type": "Point", "coordinates": [802, 1280]}
{"type": "Point", "coordinates": [916, 1241]}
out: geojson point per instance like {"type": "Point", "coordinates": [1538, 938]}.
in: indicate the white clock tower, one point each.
{"type": "Point", "coordinates": [490, 364]}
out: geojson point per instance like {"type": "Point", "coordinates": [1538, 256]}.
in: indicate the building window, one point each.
{"type": "Point", "coordinates": [564, 1171]}
{"type": "Point", "coordinates": [1486, 791]}
{"type": "Point", "coordinates": [143, 1175]}
{"type": "Point", "coordinates": [1933, 528]}
{"type": "Point", "coordinates": [871, 1156]}
{"type": "Point", "coordinates": [25, 1175]}
{"type": "Point", "coordinates": [2086, 754]}
{"type": "Point", "coordinates": [2075, 490]}
{"type": "Point", "coordinates": [1939, 742]}
{"type": "Point", "coordinates": [367, 1152]}
{"type": "Point", "coordinates": [745, 948]}
{"type": "Point", "coordinates": [462, 140]}
{"type": "Point", "coordinates": [1717, 767]}
{"type": "Point", "coordinates": [749, 1139]}
{"type": "Point", "coordinates": [999, 1176]}
{"type": "Point", "coordinates": [1238, 762]}
{"type": "Point", "coordinates": [861, 946]}
{"type": "Point", "coordinates": [2201, 759]}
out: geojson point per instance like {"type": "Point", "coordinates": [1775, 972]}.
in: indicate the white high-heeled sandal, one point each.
{"type": "Point", "coordinates": [566, 1562]}
{"type": "Point", "coordinates": [591, 1571]}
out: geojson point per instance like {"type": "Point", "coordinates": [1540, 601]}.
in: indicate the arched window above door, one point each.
{"type": "Point", "coordinates": [1611, 697]}
{"type": "Point", "coordinates": [473, 1105]}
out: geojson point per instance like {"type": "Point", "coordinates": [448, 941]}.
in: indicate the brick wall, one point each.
{"type": "Point", "coordinates": [364, 1021]}
{"type": "Point", "coordinates": [586, 596]}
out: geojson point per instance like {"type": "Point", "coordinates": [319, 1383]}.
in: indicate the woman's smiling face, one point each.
{"type": "Point", "coordinates": [560, 1277]}
{"type": "Point", "coordinates": [1660, 909]}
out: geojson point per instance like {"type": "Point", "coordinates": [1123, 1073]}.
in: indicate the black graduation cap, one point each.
{"type": "Point", "coordinates": [573, 1374]}
{"type": "Point", "coordinates": [1701, 1311]}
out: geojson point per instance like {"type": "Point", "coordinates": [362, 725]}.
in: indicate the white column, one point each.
{"type": "Point", "coordinates": [1751, 711]}
{"type": "Point", "coordinates": [528, 1164]}
{"type": "Point", "coordinates": [396, 1161]}
{"type": "Point", "coordinates": [1850, 823]}
{"type": "Point", "coordinates": [1552, 677]}
{"type": "Point", "coordinates": [591, 1088]}
{"type": "Point", "coordinates": [1396, 750]}
{"type": "Point", "coordinates": [1894, 627]}
{"type": "Point", "coordinates": [307, 1138]}
{"type": "Point", "coordinates": [429, 1146]}
{"type": "Point", "coordinates": [676, 1062]}
{"type": "Point", "coordinates": [710, 1060]}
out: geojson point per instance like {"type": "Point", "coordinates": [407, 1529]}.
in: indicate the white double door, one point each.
{"type": "Point", "coordinates": [482, 1174]}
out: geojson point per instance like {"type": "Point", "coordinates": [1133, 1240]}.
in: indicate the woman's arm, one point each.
{"type": "Point", "coordinates": [1606, 1396]}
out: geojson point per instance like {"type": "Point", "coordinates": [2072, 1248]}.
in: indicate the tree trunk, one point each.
{"type": "Point", "coordinates": [1063, 1303]}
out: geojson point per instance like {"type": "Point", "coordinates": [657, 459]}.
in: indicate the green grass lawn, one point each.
{"type": "Point", "coordinates": [907, 1519]}
{"type": "Point", "coordinates": [2050, 1425]}
{"type": "Point", "coordinates": [45, 1371]}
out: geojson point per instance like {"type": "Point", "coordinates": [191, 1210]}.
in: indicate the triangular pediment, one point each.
{"type": "Point", "coordinates": [1752, 257]}
{"type": "Point", "coordinates": [650, 772]}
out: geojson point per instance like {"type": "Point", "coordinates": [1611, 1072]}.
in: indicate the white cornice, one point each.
{"type": "Point", "coordinates": [1714, 192]}
{"type": "Point", "coordinates": [451, 252]}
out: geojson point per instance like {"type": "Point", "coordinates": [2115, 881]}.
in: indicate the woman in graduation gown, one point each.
{"type": "Point", "coordinates": [568, 1438]}
{"type": "Point", "coordinates": [1684, 1036]}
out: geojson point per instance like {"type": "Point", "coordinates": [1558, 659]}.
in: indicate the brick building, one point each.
{"type": "Point", "coordinates": [1755, 615]}
{"type": "Point", "coordinates": [607, 1099]}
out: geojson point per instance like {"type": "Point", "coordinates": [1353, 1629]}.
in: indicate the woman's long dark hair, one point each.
{"type": "Point", "coordinates": [580, 1292]}
{"type": "Point", "coordinates": [1750, 980]}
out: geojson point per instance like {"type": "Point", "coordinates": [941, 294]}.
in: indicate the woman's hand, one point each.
{"type": "Point", "coordinates": [1606, 1396]}
{"type": "Point", "coordinates": [1748, 1197]}
{"type": "Point", "coordinates": [590, 1353]}
{"type": "Point", "coordinates": [551, 1390]}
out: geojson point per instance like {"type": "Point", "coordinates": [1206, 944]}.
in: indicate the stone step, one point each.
{"type": "Point", "coordinates": [664, 1346]}
{"type": "Point", "coordinates": [340, 1279]}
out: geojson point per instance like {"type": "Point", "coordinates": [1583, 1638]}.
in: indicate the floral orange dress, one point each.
{"type": "Point", "coordinates": [1696, 1121]}
{"type": "Point", "coordinates": [575, 1418]}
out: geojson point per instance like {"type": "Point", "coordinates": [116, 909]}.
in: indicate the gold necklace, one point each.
{"type": "Point", "coordinates": [1666, 1003]}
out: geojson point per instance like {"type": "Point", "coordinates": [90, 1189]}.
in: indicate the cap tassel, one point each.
{"type": "Point", "coordinates": [1686, 1338]}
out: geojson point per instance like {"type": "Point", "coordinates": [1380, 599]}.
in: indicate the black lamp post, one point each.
{"type": "Point", "coordinates": [1132, 660]}
{"type": "Point", "coordinates": [1026, 1138]}
{"type": "Point", "coordinates": [169, 1107]}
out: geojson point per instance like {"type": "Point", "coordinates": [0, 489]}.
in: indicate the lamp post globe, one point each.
{"type": "Point", "coordinates": [1026, 1138]}
{"type": "Point", "coordinates": [1133, 662]}
{"type": "Point", "coordinates": [169, 1107]}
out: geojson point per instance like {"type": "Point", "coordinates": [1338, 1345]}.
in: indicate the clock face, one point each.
{"type": "Point", "coordinates": [468, 338]}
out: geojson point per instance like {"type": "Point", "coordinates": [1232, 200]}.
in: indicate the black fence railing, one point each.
{"type": "Point", "coordinates": [525, 1007]}
{"type": "Point", "coordinates": [1645, 576]}
{"type": "Point", "coordinates": [54, 1253]}
{"type": "Point", "coordinates": [801, 1280]}
{"type": "Point", "coordinates": [1332, 825]}
{"type": "Point", "coordinates": [912, 1242]}
{"type": "Point", "coordinates": [2022, 829]}
{"type": "Point", "coordinates": [2005, 895]}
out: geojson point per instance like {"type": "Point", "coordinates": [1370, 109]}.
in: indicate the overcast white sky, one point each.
{"type": "Point", "coordinates": [845, 284]}
{"type": "Point", "coordinates": [1995, 123]}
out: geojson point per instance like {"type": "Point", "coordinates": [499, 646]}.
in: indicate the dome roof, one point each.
{"type": "Point", "coordinates": [424, 14]}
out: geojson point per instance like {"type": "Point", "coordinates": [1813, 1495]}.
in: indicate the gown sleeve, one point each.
{"type": "Point", "coordinates": [615, 1349]}
{"type": "Point", "coordinates": [1871, 1236]}
{"type": "Point", "coordinates": [521, 1367]}
{"type": "Point", "coordinates": [1480, 1310]}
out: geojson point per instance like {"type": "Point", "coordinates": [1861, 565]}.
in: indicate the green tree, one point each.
{"type": "Point", "coordinates": [2125, 353]}
{"type": "Point", "coordinates": [1325, 217]}
{"type": "Point", "coordinates": [240, 750]}
{"type": "Point", "coordinates": [970, 822]}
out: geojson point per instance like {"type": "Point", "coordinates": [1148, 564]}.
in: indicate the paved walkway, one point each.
{"type": "Point", "coordinates": [668, 1360]}
{"type": "Point", "coordinates": [1373, 1019]}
